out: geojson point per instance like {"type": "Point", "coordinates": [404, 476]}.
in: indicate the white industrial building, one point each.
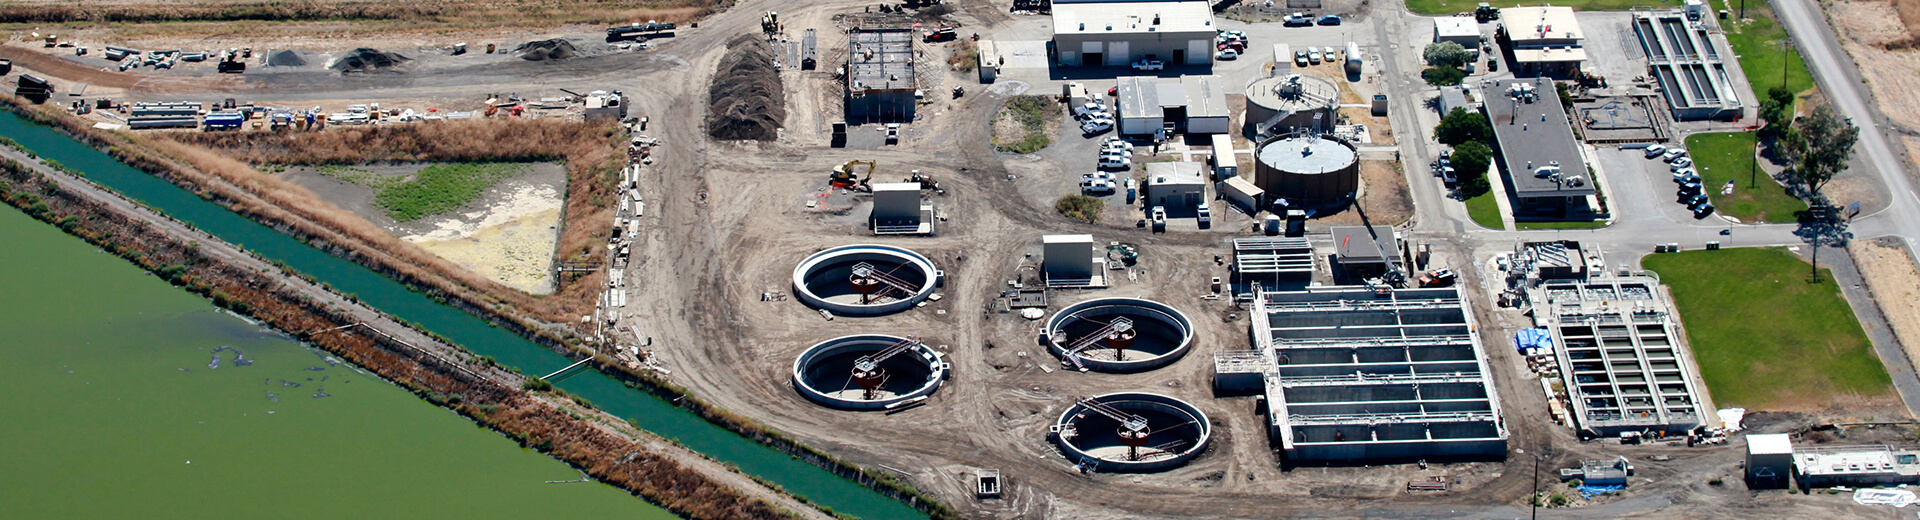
{"type": "Point", "coordinates": [1070, 261]}
{"type": "Point", "coordinates": [899, 210]}
{"type": "Point", "coordinates": [1769, 460]}
{"type": "Point", "coordinates": [1463, 30]}
{"type": "Point", "coordinates": [1206, 108]}
{"type": "Point", "coordinates": [1190, 104]}
{"type": "Point", "coordinates": [1854, 466]}
{"type": "Point", "coordinates": [1243, 194]}
{"type": "Point", "coordinates": [1546, 40]}
{"type": "Point", "coordinates": [1139, 105]}
{"type": "Point", "coordinates": [1179, 187]}
{"type": "Point", "coordinates": [1118, 33]}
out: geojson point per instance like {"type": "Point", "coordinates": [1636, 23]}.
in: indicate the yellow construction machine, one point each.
{"type": "Point", "coordinates": [843, 176]}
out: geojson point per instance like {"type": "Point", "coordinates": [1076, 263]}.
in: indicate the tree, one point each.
{"type": "Point", "coordinates": [1446, 54]}
{"type": "Point", "coordinates": [1470, 162]}
{"type": "Point", "coordinates": [1443, 76]}
{"type": "Point", "coordinates": [1777, 110]}
{"type": "Point", "coordinates": [1822, 145]}
{"type": "Point", "coordinates": [1460, 126]}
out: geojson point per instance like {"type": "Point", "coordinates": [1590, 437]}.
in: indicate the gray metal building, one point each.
{"type": "Point", "coordinates": [1118, 33]}
{"type": "Point", "coordinates": [1139, 105]}
{"type": "Point", "coordinates": [1538, 150]}
{"type": "Point", "coordinates": [1689, 65]}
{"type": "Point", "coordinates": [880, 81]}
{"type": "Point", "coordinates": [1355, 373]}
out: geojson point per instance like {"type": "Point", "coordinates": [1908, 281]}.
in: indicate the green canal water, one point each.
{"type": "Point", "coordinates": [469, 332]}
{"type": "Point", "coordinates": [119, 406]}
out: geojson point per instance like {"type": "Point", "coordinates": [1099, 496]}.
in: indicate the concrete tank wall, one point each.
{"type": "Point", "coordinates": [868, 252]}
{"type": "Point", "coordinates": [1137, 401]}
{"type": "Point", "coordinates": [1160, 314]}
{"type": "Point", "coordinates": [1271, 96]}
{"type": "Point", "coordinates": [866, 343]}
{"type": "Point", "coordinates": [1307, 169]}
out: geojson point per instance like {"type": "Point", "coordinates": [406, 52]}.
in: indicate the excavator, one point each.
{"type": "Point", "coordinates": [843, 176]}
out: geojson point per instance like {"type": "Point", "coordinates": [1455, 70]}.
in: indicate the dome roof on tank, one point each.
{"type": "Point", "coordinates": [1307, 154]}
{"type": "Point", "coordinates": [1293, 92]}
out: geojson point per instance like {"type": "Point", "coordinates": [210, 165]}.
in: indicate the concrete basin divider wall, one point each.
{"type": "Point", "coordinates": [821, 280]}
{"type": "Point", "coordinates": [822, 372]}
{"type": "Point", "coordinates": [1166, 334]}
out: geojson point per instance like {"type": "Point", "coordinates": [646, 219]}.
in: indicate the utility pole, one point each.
{"type": "Point", "coordinates": [1534, 500]}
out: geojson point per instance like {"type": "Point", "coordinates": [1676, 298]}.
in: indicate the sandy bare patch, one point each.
{"type": "Point", "coordinates": [1383, 197]}
{"type": "Point", "coordinates": [1866, 27]}
{"type": "Point", "coordinates": [517, 252]}
{"type": "Point", "coordinates": [1895, 285]}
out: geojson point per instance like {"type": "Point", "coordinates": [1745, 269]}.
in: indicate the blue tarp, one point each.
{"type": "Point", "coordinates": [1590, 491]}
{"type": "Point", "coordinates": [1533, 338]}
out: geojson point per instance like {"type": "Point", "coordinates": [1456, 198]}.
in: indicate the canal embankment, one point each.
{"type": "Point", "coordinates": [438, 372]}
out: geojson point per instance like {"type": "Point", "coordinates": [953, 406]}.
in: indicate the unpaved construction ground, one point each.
{"type": "Point", "coordinates": [728, 220]}
{"type": "Point", "coordinates": [1890, 274]}
{"type": "Point", "coordinates": [1872, 32]}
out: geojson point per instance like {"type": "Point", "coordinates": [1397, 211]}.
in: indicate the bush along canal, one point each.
{"type": "Point", "coordinates": [642, 408]}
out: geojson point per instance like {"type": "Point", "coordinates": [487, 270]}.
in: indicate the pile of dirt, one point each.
{"type": "Point", "coordinates": [286, 59]}
{"type": "Point", "coordinates": [367, 60]}
{"type": "Point", "coordinates": [554, 49]}
{"type": "Point", "coordinates": [746, 95]}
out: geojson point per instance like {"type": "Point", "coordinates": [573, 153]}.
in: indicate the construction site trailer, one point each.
{"type": "Point", "coordinates": [989, 59]}
{"type": "Point", "coordinates": [1225, 166]}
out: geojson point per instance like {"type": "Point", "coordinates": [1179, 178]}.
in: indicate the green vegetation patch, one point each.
{"type": "Point", "coordinates": [1766, 337]}
{"type": "Point", "coordinates": [1449, 7]}
{"type": "Point", "coordinates": [1726, 157]}
{"type": "Point", "coordinates": [1080, 207]}
{"type": "Point", "coordinates": [1757, 41]}
{"type": "Point", "coordinates": [439, 188]}
{"type": "Point", "coordinates": [1485, 211]}
{"type": "Point", "coordinates": [1032, 116]}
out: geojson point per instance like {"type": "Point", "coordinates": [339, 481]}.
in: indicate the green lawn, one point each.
{"type": "Point", "coordinates": [1726, 157]}
{"type": "Point", "coordinates": [1485, 211]}
{"type": "Point", "coordinates": [1758, 43]}
{"type": "Point", "coordinates": [1578, 224]}
{"type": "Point", "coordinates": [1441, 7]}
{"type": "Point", "coordinates": [1764, 336]}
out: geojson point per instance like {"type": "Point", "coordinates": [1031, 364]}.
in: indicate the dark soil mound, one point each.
{"type": "Point", "coordinates": [286, 59]}
{"type": "Point", "coordinates": [554, 49]}
{"type": "Point", "coordinates": [746, 94]}
{"type": "Point", "coordinates": [367, 60]}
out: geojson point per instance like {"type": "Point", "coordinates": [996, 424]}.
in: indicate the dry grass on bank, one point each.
{"type": "Point", "coordinates": [454, 13]}
{"type": "Point", "coordinates": [587, 148]}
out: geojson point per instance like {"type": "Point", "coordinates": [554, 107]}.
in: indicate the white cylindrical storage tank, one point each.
{"type": "Point", "coordinates": [865, 279]}
{"type": "Point", "coordinates": [1119, 334]}
{"type": "Point", "coordinates": [1353, 58]}
{"type": "Point", "coordinates": [831, 372]}
{"type": "Point", "coordinates": [1132, 432]}
{"type": "Point", "coordinates": [1287, 103]}
{"type": "Point", "coordinates": [1307, 169]}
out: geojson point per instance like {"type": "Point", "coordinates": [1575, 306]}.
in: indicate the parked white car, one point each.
{"type": "Point", "coordinates": [1096, 125]}
{"type": "Point", "coordinates": [1117, 162]}
{"type": "Point", "coordinates": [1655, 151]}
{"type": "Point", "coordinates": [1227, 54]}
{"type": "Point", "coordinates": [1683, 162]}
{"type": "Point", "coordinates": [1097, 187]}
{"type": "Point", "coordinates": [1674, 153]}
{"type": "Point", "coordinates": [1313, 55]}
{"type": "Point", "coordinates": [1206, 214]}
{"type": "Point", "coordinates": [1089, 109]}
{"type": "Point", "coordinates": [1149, 65]}
{"type": "Point", "coordinates": [1116, 143]}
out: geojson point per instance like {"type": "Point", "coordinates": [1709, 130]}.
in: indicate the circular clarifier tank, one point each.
{"type": "Point", "coordinates": [865, 279]}
{"type": "Point", "coordinates": [868, 371]}
{"type": "Point", "coordinates": [1131, 432]}
{"type": "Point", "coordinates": [1119, 334]}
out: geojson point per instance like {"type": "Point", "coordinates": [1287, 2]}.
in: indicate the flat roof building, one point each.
{"type": "Point", "coordinates": [1857, 466]}
{"type": "Point", "coordinates": [880, 81]}
{"type": "Point", "coordinates": [1545, 40]}
{"type": "Point", "coordinates": [1138, 106]}
{"type": "Point", "coordinates": [1769, 460]}
{"type": "Point", "coordinates": [1267, 263]}
{"type": "Point", "coordinates": [1206, 109]}
{"type": "Point", "coordinates": [1070, 261]}
{"type": "Point", "coordinates": [1463, 30]}
{"type": "Point", "coordinates": [1356, 245]}
{"type": "Point", "coordinates": [1538, 150]}
{"type": "Point", "coordinates": [1356, 373]}
{"type": "Point", "coordinates": [1118, 33]}
{"type": "Point", "coordinates": [1689, 65]}
{"type": "Point", "coordinates": [899, 210]}
{"type": "Point", "coordinates": [1179, 187]}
